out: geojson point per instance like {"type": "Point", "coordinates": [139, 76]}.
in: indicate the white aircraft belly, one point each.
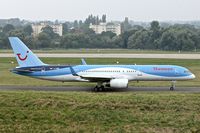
{"type": "Point", "coordinates": [149, 77]}
{"type": "Point", "coordinates": [63, 78]}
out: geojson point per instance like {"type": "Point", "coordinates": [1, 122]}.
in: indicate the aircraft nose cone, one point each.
{"type": "Point", "coordinates": [193, 76]}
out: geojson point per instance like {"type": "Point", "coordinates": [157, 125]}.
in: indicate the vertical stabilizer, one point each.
{"type": "Point", "coordinates": [25, 57]}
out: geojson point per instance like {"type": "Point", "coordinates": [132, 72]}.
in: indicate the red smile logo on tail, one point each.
{"type": "Point", "coordinates": [22, 59]}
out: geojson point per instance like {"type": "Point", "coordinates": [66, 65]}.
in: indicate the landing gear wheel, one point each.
{"type": "Point", "coordinates": [95, 89]}
{"type": "Point", "coordinates": [99, 88]}
{"type": "Point", "coordinates": [171, 88]}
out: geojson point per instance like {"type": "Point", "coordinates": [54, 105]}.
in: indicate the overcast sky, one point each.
{"type": "Point", "coordinates": [137, 10]}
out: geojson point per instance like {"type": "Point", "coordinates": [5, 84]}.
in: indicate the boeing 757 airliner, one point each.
{"type": "Point", "coordinates": [114, 76]}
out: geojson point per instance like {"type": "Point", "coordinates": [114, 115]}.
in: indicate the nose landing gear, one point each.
{"type": "Point", "coordinates": [172, 86]}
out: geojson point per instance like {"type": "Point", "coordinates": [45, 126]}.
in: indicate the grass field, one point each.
{"type": "Point", "coordinates": [106, 51]}
{"type": "Point", "coordinates": [8, 78]}
{"type": "Point", "coordinates": [49, 112]}
{"type": "Point", "coordinates": [167, 112]}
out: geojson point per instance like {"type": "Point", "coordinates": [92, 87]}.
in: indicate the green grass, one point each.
{"type": "Point", "coordinates": [8, 78]}
{"type": "Point", "coordinates": [38, 111]}
{"type": "Point", "coordinates": [30, 111]}
{"type": "Point", "coordinates": [106, 51]}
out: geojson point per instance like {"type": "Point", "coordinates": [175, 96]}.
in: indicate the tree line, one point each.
{"type": "Point", "coordinates": [181, 37]}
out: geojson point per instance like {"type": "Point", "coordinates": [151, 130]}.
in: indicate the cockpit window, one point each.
{"type": "Point", "coordinates": [186, 71]}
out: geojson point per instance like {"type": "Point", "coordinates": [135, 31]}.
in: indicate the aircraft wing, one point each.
{"type": "Point", "coordinates": [92, 77]}
{"type": "Point", "coordinates": [96, 77]}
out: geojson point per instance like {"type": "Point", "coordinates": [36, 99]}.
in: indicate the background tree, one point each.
{"type": "Point", "coordinates": [49, 31]}
{"type": "Point", "coordinates": [184, 41]}
{"type": "Point", "coordinates": [43, 40]}
{"type": "Point", "coordinates": [65, 28]}
{"type": "Point", "coordinates": [125, 25]}
{"type": "Point", "coordinates": [7, 28]}
{"type": "Point", "coordinates": [109, 34]}
{"type": "Point", "coordinates": [155, 34]}
{"type": "Point", "coordinates": [28, 30]}
{"type": "Point", "coordinates": [4, 44]}
{"type": "Point", "coordinates": [168, 40]}
{"type": "Point", "coordinates": [76, 26]}
{"type": "Point", "coordinates": [18, 32]}
{"type": "Point", "coordinates": [139, 40]}
{"type": "Point", "coordinates": [125, 37]}
{"type": "Point", "coordinates": [104, 18]}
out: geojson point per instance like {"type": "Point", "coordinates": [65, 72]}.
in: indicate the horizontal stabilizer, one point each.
{"type": "Point", "coordinates": [83, 62]}
{"type": "Point", "coordinates": [21, 70]}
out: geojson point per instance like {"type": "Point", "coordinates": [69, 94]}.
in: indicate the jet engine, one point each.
{"type": "Point", "coordinates": [119, 83]}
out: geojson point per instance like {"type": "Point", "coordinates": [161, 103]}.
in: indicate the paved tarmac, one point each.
{"type": "Point", "coordinates": [162, 56]}
{"type": "Point", "coordinates": [89, 89]}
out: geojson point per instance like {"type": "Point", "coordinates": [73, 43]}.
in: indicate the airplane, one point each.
{"type": "Point", "coordinates": [106, 76]}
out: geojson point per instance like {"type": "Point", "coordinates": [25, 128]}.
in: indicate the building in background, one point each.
{"type": "Point", "coordinates": [104, 27]}
{"type": "Point", "coordinates": [37, 28]}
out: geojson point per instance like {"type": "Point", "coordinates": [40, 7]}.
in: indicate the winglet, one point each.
{"type": "Point", "coordinates": [73, 72]}
{"type": "Point", "coordinates": [83, 61]}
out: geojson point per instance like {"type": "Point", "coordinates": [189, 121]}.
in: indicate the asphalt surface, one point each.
{"type": "Point", "coordinates": [89, 89]}
{"type": "Point", "coordinates": [161, 56]}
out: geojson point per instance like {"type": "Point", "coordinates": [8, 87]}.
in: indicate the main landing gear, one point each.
{"type": "Point", "coordinates": [172, 86]}
{"type": "Point", "coordinates": [99, 87]}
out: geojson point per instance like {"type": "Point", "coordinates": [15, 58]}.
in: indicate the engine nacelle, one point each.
{"type": "Point", "coordinates": [119, 83]}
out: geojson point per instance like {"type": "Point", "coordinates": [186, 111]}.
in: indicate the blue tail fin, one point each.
{"type": "Point", "coordinates": [25, 57]}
